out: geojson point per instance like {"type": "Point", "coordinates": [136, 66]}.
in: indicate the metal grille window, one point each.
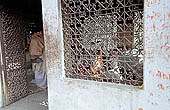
{"type": "Point", "coordinates": [103, 40]}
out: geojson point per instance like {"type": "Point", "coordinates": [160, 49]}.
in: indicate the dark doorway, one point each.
{"type": "Point", "coordinates": [19, 20]}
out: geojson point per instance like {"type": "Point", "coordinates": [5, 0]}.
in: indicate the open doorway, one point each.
{"type": "Point", "coordinates": [19, 21]}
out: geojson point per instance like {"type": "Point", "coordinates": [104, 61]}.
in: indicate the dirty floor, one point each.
{"type": "Point", "coordinates": [36, 101]}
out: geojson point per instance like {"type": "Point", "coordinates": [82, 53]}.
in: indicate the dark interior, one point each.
{"type": "Point", "coordinates": [31, 13]}
{"type": "Point", "coordinates": [29, 7]}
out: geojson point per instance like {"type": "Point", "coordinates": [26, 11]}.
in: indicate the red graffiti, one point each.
{"type": "Point", "coordinates": [154, 27]}
{"type": "Point", "coordinates": [151, 17]}
{"type": "Point", "coordinates": [166, 46]}
{"type": "Point", "coordinates": [163, 75]}
{"type": "Point", "coordinates": [159, 74]}
{"type": "Point", "coordinates": [165, 26]}
{"type": "Point", "coordinates": [140, 109]}
{"type": "Point", "coordinates": [169, 15]}
{"type": "Point", "coordinates": [149, 2]}
{"type": "Point", "coordinates": [168, 87]}
{"type": "Point", "coordinates": [69, 83]}
{"type": "Point", "coordinates": [160, 86]}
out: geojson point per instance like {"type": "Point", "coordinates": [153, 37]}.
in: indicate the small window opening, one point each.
{"type": "Point", "coordinates": [103, 40]}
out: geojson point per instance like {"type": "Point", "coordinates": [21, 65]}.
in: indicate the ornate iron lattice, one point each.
{"type": "Point", "coordinates": [103, 40]}
{"type": "Point", "coordinates": [13, 55]}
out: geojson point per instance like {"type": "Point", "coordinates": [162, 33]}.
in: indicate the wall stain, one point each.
{"type": "Point", "coordinates": [147, 3]}
{"type": "Point", "coordinates": [69, 83]}
{"type": "Point", "coordinates": [151, 17]}
{"type": "Point", "coordinates": [165, 25]}
{"type": "Point", "coordinates": [168, 87]}
{"type": "Point", "coordinates": [154, 103]}
{"type": "Point", "coordinates": [83, 87]}
{"type": "Point", "coordinates": [154, 27]}
{"type": "Point", "coordinates": [151, 94]}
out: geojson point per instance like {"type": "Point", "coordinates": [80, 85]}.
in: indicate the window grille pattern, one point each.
{"type": "Point", "coordinates": [103, 40]}
{"type": "Point", "coordinates": [13, 51]}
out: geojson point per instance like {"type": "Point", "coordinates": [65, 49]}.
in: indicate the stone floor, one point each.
{"type": "Point", "coordinates": [36, 101]}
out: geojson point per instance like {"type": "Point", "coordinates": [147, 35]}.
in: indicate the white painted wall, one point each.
{"type": "Point", "coordinates": [70, 94]}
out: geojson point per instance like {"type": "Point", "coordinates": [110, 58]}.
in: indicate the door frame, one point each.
{"type": "Point", "coordinates": [3, 82]}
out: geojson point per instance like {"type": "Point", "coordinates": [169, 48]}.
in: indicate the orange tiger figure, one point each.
{"type": "Point", "coordinates": [98, 65]}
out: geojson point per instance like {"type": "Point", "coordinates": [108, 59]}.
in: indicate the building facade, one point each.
{"type": "Point", "coordinates": [77, 94]}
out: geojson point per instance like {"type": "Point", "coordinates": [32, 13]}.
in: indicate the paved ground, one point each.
{"type": "Point", "coordinates": [36, 101]}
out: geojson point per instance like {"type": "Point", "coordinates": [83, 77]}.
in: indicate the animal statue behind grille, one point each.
{"type": "Point", "coordinates": [98, 68]}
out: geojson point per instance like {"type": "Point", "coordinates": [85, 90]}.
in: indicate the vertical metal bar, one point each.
{"type": "Point", "coordinates": [2, 58]}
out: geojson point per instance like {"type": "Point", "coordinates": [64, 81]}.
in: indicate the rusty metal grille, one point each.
{"type": "Point", "coordinates": [13, 55]}
{"type": "Point", "coordinates": [103, 40]}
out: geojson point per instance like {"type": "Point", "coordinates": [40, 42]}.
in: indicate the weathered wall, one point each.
{"type": "Point", "coordinates": [69, 94]}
